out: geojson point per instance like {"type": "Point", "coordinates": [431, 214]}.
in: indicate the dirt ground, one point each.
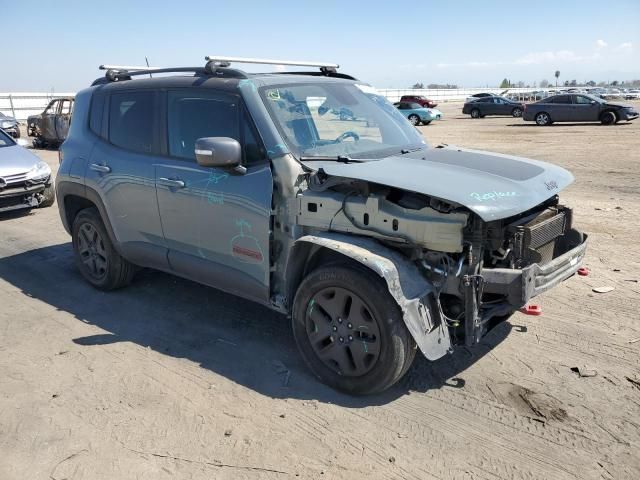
{"type": "Point", "coordinates": [171, 380]}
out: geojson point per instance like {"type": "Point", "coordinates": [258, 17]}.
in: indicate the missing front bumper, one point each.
{"type": "Point", "coordinates": [520, 285]}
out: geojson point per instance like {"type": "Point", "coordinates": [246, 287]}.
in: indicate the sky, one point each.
{"type": "Point", "coordinates": [58, 45]}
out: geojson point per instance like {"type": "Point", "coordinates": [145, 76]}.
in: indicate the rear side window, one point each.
{"type": "Point", "coordinates": [97, 110]}
{"type": "Point", "coordinates": [198, 114]}
{"type": "Point", "coordinates": [132, 121]}
{"type": "Point", "coordinates": [565, 99]}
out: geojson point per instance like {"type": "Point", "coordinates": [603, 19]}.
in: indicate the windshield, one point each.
{"type": "Point", "coordinates": [339, 119]}
{"type": "Point", "coordinates": [5, 140]}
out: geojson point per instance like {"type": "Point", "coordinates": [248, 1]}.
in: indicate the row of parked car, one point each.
{"type": "Point", "coordinates": [565, 107]}
{"type": "Point", "coordinates": [605, 93]}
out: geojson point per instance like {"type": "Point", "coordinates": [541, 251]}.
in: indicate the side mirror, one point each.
{"type": "Point", "coordinates": [221, 152]}
{"type": "Point", "coordinates": [22, 142]}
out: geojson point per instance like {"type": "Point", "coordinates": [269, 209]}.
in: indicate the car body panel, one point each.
{"type": "Point", "coordinates": [15, 160]}
{"type": "Point", "coordinates": [218, 220]}
{"type": "Point", "coordinates": [494, 186]}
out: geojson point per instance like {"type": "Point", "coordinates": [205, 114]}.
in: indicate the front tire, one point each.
{"type": "Point", "coordinates": [543, 119]}
{"type": "Point", "coordinates": [95, 256]}
{"type": "Point", "coordinates": [516, 112]}
{"type": "Point", "coordinates": [608, 118]}
{"type": "Point", "coordinates": [414, 120]}
{"type": "Point", "coordinates": [48, 196]}
{"type": "Point", "coordinates": [350, 331]}
{"type": "Point", "coordinates": [475, 113]}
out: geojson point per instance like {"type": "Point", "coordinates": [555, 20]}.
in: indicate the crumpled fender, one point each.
{"type": "Point", "coordinates": [413, 293]}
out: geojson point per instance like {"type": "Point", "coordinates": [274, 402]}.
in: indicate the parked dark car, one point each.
{"type": "Point", "coordinates": [492, 105]}
{"type": "Point", "coordinates": [577, 108]}
{"type": "Point", "coordinates": [9, 125]}
{"type": "Point", "coordinates": [420, 100]}
{"type": "Point", "coordinates": [50, 127]}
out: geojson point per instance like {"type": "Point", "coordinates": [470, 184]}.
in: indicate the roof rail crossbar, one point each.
{"type": "Point", "coordinates": [116, 73]}
{"type": "Point", "coordinates": [224, 61]}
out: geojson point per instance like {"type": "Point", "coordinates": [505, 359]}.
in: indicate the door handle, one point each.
{"type": "Point", "coordinates": [170, 182]}
{"type": "Point", "coordinates": [100, 168]}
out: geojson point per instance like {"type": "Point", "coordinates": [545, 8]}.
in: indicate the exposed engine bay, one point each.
{"type": "Point", "coordinates": [481, 271]}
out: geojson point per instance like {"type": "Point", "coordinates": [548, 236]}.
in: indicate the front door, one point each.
{"type": "Point", "coordinates": [585, 109]}
{"type": "Point", "coordinates": [48, 121]}
{"type": "Point", "coordinates": [216, 222]}
{"type": "Point", "coordinates": [63, 119]}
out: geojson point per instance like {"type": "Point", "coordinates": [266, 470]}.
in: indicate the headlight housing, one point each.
{"type": "Point", "coordinates": [40, 172]}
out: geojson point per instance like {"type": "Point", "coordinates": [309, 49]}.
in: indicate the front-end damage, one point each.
{"type": "Point", "coordinates": [453, 274]}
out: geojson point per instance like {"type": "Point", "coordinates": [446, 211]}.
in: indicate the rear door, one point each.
{"type": "Point", "coordinates": [585, 109]}
{"type": "Point", "coordinates": [561, 108]}
{"type": "Point", "coordinates": [216, 222]}
{"type": "Point", "coordinates": [121, 170]}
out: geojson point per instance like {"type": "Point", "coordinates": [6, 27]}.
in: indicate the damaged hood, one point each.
{"type": "Point", "coordinates": [492, 185]}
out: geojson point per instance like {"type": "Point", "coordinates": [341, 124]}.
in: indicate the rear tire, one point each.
{"type": "Point", "coordinates": [608, 118]}
{"type": "Point", "coordinates": [414, 120]}
{"type": "Point", "coordinates": [475, 113]}
{"type": "Point", "coordinates": [95, 256]}
{"type": "Point", "coordinates": [543, 119]}
{"type": "Point", "coordinates": [350, 330]}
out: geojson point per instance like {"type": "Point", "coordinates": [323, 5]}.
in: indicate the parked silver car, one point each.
{"type": "Point", "coordinates": [25, 180]}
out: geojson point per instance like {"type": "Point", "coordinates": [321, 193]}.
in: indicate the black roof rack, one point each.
{"type": "Point", "coordinates": [216, 66]}
{"type": "Point", "coordinates": [118, 73]}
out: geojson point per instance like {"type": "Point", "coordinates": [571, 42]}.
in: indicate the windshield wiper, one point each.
{"type": "Point", "coordinates": [328, 158]}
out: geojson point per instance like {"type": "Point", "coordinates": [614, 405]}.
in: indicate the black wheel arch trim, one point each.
{"type": "Point", "coordinates": [67, 188]}
{"type": "Point", "coordinates": [411, 291]}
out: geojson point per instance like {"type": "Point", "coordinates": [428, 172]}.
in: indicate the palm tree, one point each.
{"type": "Point", "coordinates": [557, 74]}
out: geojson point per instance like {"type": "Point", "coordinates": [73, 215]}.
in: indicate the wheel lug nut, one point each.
{"type": "Point", "coordinates": [350, 338]}
{"type": "Point", "coordinates": [349, 325]}
{"type": "Point", "coordinates": [339, 320]}
{"type": "Point", "coordinates": [341, 339]}
{"type": "Point", "coordinates": [335, 329]}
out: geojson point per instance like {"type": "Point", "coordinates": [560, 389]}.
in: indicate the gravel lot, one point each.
{"type": "Point", "coordinates": [169, 379]}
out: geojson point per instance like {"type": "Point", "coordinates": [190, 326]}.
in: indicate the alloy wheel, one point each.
{"type": "Point", "coordinates": [92, 250]}
{"type": "Point", "coordinates": [342, 331]}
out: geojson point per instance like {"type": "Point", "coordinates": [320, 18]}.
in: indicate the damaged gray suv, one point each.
{"type": "Point", "coordinates": [374, 243]}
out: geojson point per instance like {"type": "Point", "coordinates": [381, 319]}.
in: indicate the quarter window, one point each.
{"type": "Point", "coordinates": [132, 121]}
